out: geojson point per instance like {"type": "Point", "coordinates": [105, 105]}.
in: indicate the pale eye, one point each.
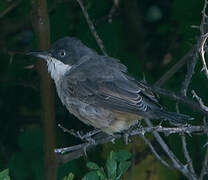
{"type": "Point", "coordinates": [62, 53]}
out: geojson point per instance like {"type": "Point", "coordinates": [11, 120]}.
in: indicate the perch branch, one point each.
{"type": "Point", "coordinates": [79, 150]}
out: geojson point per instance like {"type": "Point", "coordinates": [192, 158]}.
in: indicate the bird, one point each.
{"type": "Point", "coordinates": [98, 89]}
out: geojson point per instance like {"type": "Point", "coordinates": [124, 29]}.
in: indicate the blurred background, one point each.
{"type": "Point", "coordinates": [148, 36]}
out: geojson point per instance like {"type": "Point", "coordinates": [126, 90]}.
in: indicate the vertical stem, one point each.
{"type": "Point", "coordinates": [41, 27]}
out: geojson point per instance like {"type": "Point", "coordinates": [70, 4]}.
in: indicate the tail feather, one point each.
{"type": "Point", "coordinates": [173, 117]}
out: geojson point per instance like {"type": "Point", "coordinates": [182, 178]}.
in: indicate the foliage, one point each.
{"type": "Point", "coordinates": [69, 177]}
{"type": "Point", "coordinates": [4, 175]}
{"type": "Point", "coordinates": [117, 164]}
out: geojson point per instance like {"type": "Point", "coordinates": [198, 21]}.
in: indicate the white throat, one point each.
{"type": "Point", "coordinates": [57, 69]}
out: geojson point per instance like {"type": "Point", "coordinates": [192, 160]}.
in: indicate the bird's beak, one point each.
{"type": "Point", "coordinates": [39, 54]}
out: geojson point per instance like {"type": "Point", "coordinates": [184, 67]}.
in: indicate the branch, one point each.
{"type": "Point", "coordinates": [185, 100]}
{"type": "Point", "coordinates": [176, 163]}
{"type": "Point", "coordinates": [154, 152]}
{"type": "Point", "coordinates": [80, 149]}
{"type": "Point", "coordinates": [204, 167]}
{"type": "Point", "coordinates": [92, 28]}
{"type": "Point", "coordinates": [175, 68]}
{"type": "Point", "coordinates": [204, 36]}
{"type": "Point", "coordinates": [10, 8]}
{"type": "Point", "coordinates": [186, 153]}
{"type": "Point", "coordinates": [205, 108]}
{"type": "Point", "coordinates": [190, 69]}
{"type": "Point", "coordinates": [40, 20]}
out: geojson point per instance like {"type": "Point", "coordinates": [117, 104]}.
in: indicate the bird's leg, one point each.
{"type": "Point", "coordinates": [88, 136]}
{"type": "Point", "coordinates": [160, 124]}
{"type": "Point", "coordinates": [127, 133]}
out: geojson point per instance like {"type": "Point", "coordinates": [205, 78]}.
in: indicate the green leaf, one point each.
{"type": "Point", "coordinates": [123, 167]}
{"type": "Point", "coordinates": [4, 175]}
{"type": "Point", "coordinates": [92, 166]}
{"type": "Point", "coordinates": [111, 166]}
{"type": "Point", "coordinates": [101, 174]}
{"type": "Point", "coordinates": [91, 176]}
{"type": "Point", "coordinates": [123, 155]}
{"type": "Point", "coordinates": [70, 177]}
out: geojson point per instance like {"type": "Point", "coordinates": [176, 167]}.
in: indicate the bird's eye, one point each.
{"type": "Point", "coordinates": [62, 53]}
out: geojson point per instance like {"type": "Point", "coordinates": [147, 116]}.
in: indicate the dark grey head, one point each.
{"type": "Point", "coordinates": [62, 55]}
{"type": "Point", "coordinates": [68, 50]}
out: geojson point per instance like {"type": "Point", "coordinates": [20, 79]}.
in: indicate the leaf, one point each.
{"type": "Point", "coordinates": [123, 155]}
{"type": "Point", "coordinates": [91, 176]}
{"type": "Point", "coordinates": [92, 166]}
{"type": "Point", "coordinates": [101, 174]}
{"type": "Point", "coordinates": [111, 166]}
{"type": "Point", "coordinates": [123, 167]}
{"type": "Point", "coordinates": [70, 177]}
{"type": "Point", "coordinates": [4, 175]}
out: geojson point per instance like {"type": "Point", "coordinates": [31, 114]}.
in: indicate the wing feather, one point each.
{"type": "Point", "coordinates": [113, 90]}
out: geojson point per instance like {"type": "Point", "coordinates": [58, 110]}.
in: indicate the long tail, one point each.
{"type": "Point", "coordinates": [173, 117]}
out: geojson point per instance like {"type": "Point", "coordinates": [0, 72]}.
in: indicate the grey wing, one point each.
{"type": "Point", "coordinates": [122, 93]}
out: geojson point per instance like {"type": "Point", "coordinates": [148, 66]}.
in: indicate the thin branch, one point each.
{"type": "Point", "coordinates": [185, 100]}
{"type": "Point", "coordinates": [176, 163]}
{"type": "Point", "coordinates": [175, 68]}
{"type": "Point", "coordinates": [186, 153]}
{"type": "Point", "coordinates": [202, 52]}
{"type": "Point", "coordinates": [190, 69]}
{"type": "Point", "coordinates": [205, 108]}
{"type": "Point", "coordinates": [204, 36]}
{"type": "Point", "coordinates": [113, 10]}
{"type": "Point", "coordinates": [185, 150]}
{"type": "Point", "coordinates": [204, 18]}
{"type": "Point", "coordinates": [155, 152]}
{"type": "Point", "coordinates": [205, 162]}
{"type": "Point", "coordinates": [92, 28]}
{"type": "Point", "coordinates": [10, 8]}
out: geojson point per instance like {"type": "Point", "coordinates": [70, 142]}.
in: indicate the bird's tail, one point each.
{"type": "Point", "coordinates": [173, 117]}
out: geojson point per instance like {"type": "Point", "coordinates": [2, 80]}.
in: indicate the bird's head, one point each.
{"type": "Point", "coordinates": [62, 55]}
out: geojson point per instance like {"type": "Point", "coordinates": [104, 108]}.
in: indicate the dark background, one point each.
{"type": "Point", "coordinates": [148, 36]}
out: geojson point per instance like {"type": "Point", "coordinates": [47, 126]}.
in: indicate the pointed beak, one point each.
{"type": "Point", "coordinates": [39, 54]}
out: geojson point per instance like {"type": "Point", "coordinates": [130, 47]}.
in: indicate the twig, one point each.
{"type": "Point", "coordinates": [113, 10]}
{"type": "Point", "coordinates": [185, 100]}
{"type": "Point", "coordinates": [175, 68]}
{"type": "Point", "coordinates": [204, 36]}
{"type": "Point", "coordinates": [185, 150]}
{"type": "Point", "coordinates": [204, 18]}
{"type": "Point", "coordinates": [10, 8]}
{"type": "Point", "coordinates": [176, 163]}
{"type": "Point", "coordinates": [155, 152]}
{"type": "Point", "coordinates": [205, 162]}
{"type": "Point", "coordinates": [186, 153]}
{"type": "Point", "coordinates": [205, 108]}
{"type": "Point", "coordinates": [202, 52]}
{"type": "Point", "coordinates": [92, 28]}
{"type": "Point", "coordinates": [190, 69]}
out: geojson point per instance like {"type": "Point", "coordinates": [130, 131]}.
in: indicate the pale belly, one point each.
{"type": "Point", "coordinates": [98, 117]}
